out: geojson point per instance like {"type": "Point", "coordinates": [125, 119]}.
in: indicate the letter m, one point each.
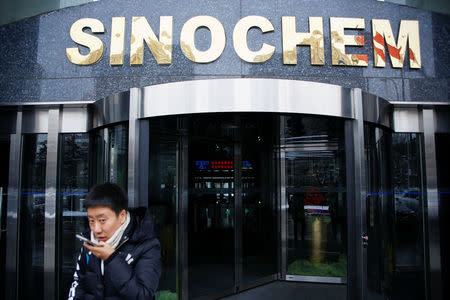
{"type": "Point", "coordinates": [408, 33]}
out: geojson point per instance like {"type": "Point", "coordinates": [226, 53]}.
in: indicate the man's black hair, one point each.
{"type": "Point", "coordinates": [107, 194]}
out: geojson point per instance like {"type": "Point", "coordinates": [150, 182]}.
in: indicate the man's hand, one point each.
{"type": "Point", "coordinates": [102, 251]}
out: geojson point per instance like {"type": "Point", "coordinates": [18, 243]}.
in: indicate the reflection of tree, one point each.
{"type": "Point", "coordinates": [321, 171]}
{"type": "Point", "coordinates": [38, 177]}
{"type": "Point", "coordinates": [74, 166]}
{"type": "Point", "coordinates": [405, 161]}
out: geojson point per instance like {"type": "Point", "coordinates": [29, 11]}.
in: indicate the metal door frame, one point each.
{"type": "Point", "coordinates": [216, 96]}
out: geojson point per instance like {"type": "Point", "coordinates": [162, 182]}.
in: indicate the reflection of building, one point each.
{"type": "Point", "coordinates": [257, 174]}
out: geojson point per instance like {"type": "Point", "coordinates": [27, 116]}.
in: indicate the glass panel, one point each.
{"type": "Point", "coordinates": [443, 167]}
{"type": "Point", "coordinates": [316, 196]}
{"type": "Point", "coordinates": [395, 256]}
{"type": "Point", "coordinates": [110, 155]}
{"type": "Point", "coordinates": [259, 191]}
{"type": "Point", "coordinates": [211, 206]}
{"type": "Point", "coordinates": [409, 271]}
{"type": "Point", "coordinates": [73, 185]}
{"type": "Point", "coordinates": [32, 216]}
{"type": "Point", "coordinates": [380, 214]}
{"type": "Point", "coordinates": [4, 174]}
{"type": "Point", "coordinates": [163, 202]}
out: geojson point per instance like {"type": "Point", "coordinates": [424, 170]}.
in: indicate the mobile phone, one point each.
{"type": "Point", "coordinates": [83, 239]}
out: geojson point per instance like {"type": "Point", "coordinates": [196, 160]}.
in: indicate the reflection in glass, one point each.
{"type": "Point", "coordinates": [163, 202]}
{"type": "Point", "coordinates": [409, 271]}
{"type": "Point", "coordinates": [32, 216]}
{"type": "Point", "coordinates": [443, 176]}
{"type": "Point", "coordinates": [4, 174]}
{"type": "Point", "coordinates": [110, 155]}
{"type": "Point", "coordinates": [379, 213]}
{"type": "Point", "coordinates": [73, 185]}
{"type": "Point", "coordinates": [316, 196]}
{"type": "Point", "coordinates": [259, 186]}
{"type": "Point", "coordinates": [211, 211]}
{"type": "Point", "coordinates": [395, 199]}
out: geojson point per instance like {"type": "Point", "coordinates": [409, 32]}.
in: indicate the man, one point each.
{"type": "Point", "coordinates": [126, 264]}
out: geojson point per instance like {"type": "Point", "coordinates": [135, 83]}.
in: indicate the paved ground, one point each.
{"type": "Point", "coordinates": [281, 290]}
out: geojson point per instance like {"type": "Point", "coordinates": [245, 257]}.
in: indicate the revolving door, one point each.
{"type": "Point", "coordinates": [235, 169]}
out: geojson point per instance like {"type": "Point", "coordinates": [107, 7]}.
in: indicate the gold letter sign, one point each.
{"type": "Point", "coordinates": [161, 49]}
{"type": "Point", "coordinates": [117, 41]}
{"type": "Point", "coordinates": [339, 40]}
{"type": "Point", "coordinates": [313, 38]}
{"type": "Point", "coordinates": [240, 39]}
{"type": "Point", "coordinates": [409, 31]}
{"type": "Point", "coordinates": [187, 39]}
{"type": "Point", "coordinates": [94, 44]}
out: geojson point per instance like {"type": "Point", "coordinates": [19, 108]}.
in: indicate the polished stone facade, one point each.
{"type": "Point", "coordinates": [34, 66]}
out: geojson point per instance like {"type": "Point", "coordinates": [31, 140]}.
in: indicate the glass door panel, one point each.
{"type": "Point", "coordinates": [4, 174]}
{"type": "Point", "coordinates": [409, 271]}
{"type": "Point", "coordinates": [32, 216]}
{"type": "Point", "coordinates": [110, 155]}
{"type": "Point", "coordinates": [259, 191]}
{"type": "Point", "coordinates": [73, 185]}
{"type": "Point", "coordinates": [316, 198]}
{"type": "Point", "coordinates": [379, 215]}
{"type": "Point", "coordinates": [163, 200]}
{"type": "Point", "coordinates": [443, 177]}
{"type": "Point", "coordinates": [211, 207]}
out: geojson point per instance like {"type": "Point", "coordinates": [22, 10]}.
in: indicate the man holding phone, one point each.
{"type": "Point", "coordinates": [123, 258]}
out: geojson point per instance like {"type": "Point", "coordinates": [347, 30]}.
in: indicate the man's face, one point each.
{"type": "Point", "coordinates": [103, 221]}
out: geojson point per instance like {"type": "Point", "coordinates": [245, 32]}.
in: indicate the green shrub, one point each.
{"type": "Point", "coordinates": [307, 268]}
{"type": "Point", "coordinates": [166, 295]}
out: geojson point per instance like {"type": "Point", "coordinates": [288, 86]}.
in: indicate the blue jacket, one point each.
{"type": "Point", "coordinates": [131, 272]}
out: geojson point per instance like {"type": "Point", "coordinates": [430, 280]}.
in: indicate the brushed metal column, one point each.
{"type": "Point", "coordinates": [13, 206]}
{"type": "Point", "coordinates": [434, 250]}
{"type": "Point", "coordinates": [356, 200]}
{"type": "Point", "coordinates": [282, 194]}
{"type": "Point", "coordinates": [51, 174]}
{"type": "Point", "coordinates": [133, 148]}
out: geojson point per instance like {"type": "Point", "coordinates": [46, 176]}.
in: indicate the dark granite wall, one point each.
{"type": "Point", "coordinates": [34, 66]}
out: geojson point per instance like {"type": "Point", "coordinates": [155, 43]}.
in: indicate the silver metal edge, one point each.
{"type": "Point", "coordinates": [433, 232]}
{"type": "Point", "coordinates": [407, 119]}
{"type": "Point", "coordinates": [245, 95]}
{"type": "Point", "coordinates": [13, 208]}
{"type": "Point", "coordinates": [133, 148]}
{"type": "Point", "coordinates": [283, 202]}
{"type": "Point", "coordinates": [35, 120]}
{"type": "Point", "coordinates": [51, 174]}
{"type": "Point", "coordinates": [356, 206]}
{"type": "Point", "coordinates": [74, 119]}
{"type": "Point", "coordinates": [112, 109]}
{"type": "Point", "coordinates": [47, 103]}
{"type": "Point", "coordinates": [318, 279]}
{"type": "Point", "coordinates": [376, 110]}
